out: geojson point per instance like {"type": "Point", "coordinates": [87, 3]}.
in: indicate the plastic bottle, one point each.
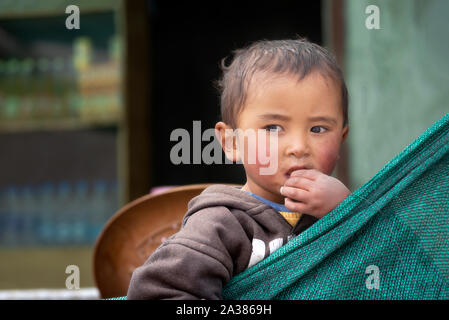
{"type": "Point", "coordinates": [57, 66]}
{"type": "Point", "coordinates": [82, 58]}
{"type": "Point", "coordinates": [62, 213]}
{"type": "Point", "coordinates": [72, 94]}
{"type": "Point", "coordinates": [99, 201]}
{"type": "Point", "coordinates": [46, 205]}
{"type": "Point", "coordinates": [11, 103]}
{"type": "Point", "coordinates": [2, 89]}
{"type": "Point", "coordinates": [113, 204]}
{"type": "Point", "coordinates": [27, 215]}
{"type": "Point", "coordinates": [3, 215]}
{"type": "Point", "coordinates": [27, 105]}
{"type": "Point", "coordinates": [80, 213]}
{"type": "Point", "coordinates": [11, 227]}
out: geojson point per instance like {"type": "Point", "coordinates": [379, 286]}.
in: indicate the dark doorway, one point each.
{"type": "Point", "coordinates": [187, 43]}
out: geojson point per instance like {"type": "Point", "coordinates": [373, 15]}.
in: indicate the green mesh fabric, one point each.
{"type": "Point", "coordinates": [398, 222]}
{"type": "Point", "coordinates": [116, 298]}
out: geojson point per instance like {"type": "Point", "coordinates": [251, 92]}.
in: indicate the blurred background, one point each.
{"type": "Point", "coordinates": [86, 114]}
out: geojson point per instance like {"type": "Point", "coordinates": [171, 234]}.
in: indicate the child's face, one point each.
{"type": "Point", "coordinates": [308, 118]}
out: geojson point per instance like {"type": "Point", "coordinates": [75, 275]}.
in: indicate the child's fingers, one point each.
{"type": "Point", "coordinates": [295, 206]}
{"type": "Point", "coordinates": [299, 182]}
{"type": "Point", "coordinates": [305, 173]}
{"type": "Point", "coordinates": [294, 193]}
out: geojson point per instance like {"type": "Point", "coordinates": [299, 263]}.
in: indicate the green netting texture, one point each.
{"type": "Point", "coordinates": [388, 240]}
{"type": "Point", "coordinates": [116, 298]}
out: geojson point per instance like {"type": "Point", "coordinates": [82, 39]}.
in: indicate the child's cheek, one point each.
{"type": "Point", "coordinates": [261, 154]}
{"type": "Point", "coordinates": [252, 169]}
{"type": "Point", "coordinates": [258, 160]}
{"type": "Point", "coordinates": [327, 159]}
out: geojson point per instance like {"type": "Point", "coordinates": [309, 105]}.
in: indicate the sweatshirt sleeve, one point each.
{"type": "Point", "coordinates": [196, 262]}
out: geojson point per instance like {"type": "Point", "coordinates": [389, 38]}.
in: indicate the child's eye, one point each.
{"type": "Point", "coordinates": [273, 127]}
{"type": "Point", "coordinates": [318, 129]}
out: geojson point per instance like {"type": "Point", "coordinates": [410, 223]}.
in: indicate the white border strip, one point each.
{"type": "Point", "coordinates": [50, 294]}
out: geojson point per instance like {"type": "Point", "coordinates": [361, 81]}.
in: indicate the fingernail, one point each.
{"type": "Point", "coordinates": [281, 189]}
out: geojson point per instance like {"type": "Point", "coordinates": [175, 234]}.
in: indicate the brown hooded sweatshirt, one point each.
{"type": "Point", "coordinates": [224, 231]}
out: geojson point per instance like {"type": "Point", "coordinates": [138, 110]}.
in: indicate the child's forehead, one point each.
{"type": "Point", "coordinates": [314, 100]}
{"type": "Point", "coordinates": [263, 82]}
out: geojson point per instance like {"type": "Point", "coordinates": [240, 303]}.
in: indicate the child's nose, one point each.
{"type": "Point", "coordinates": [297, 146]}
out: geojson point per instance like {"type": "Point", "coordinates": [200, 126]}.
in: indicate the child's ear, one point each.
{"type": "Point", "coordinates": [345, 133]}
{"type": "Point", "coordinates": [228, 140]}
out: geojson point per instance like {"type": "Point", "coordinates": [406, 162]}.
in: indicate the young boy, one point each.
{"type": "Point", "coordinates": [292, 88]}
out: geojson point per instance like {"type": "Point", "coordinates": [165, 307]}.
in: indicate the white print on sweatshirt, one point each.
{"type": "Point", "coordinates": [258, 251]}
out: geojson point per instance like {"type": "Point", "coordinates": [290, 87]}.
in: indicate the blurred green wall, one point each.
{"type": "Point", "coordinates": [397, 78]}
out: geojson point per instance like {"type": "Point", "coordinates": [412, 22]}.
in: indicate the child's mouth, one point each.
{"type": "Point", "coordinates": [294, 168]}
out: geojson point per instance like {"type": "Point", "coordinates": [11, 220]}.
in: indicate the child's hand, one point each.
{"type": "Point", "coordinates": [313, 192]}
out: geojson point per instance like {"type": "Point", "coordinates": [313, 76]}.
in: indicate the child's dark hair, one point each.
{"type": "Point", "coordinates": [294, 57]}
